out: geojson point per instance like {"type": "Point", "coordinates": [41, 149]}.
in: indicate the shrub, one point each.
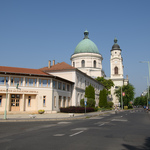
{"type": "Point", "coordinates": [110, 104]}
{"type": "Point", "coordinates": [41, 111]}
{"type": "Point", "coordinates": [130, 106]}
{"type": "Point", "coordinates": [78, 109]}
{"type": "Point", "coordinates": [82, 103]}
{"type": "Point", "coordinates": [125, 107]}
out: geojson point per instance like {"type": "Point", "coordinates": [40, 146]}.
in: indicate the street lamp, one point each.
{"type": "Point", "coordinates": [147, 91]}
{"type": "Point", "coordinates": [5, 113]}
{"type": "Point", "coordinates": [149, 77]}
{"type": "Point", "coordinates": [121, 99]}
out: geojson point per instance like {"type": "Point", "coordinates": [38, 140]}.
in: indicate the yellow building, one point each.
{"type": "Point", "coordinates": [29, 90]}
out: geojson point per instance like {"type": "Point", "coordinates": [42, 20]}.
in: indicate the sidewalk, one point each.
{"type": "Point", "coordinates": [50, 117]}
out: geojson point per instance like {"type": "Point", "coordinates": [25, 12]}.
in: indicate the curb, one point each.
{"type": "Point", "coordinates": [54, 119]}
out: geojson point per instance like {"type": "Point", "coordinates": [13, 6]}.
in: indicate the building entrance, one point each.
{"type": "Point", "coordinates": [15, 102]}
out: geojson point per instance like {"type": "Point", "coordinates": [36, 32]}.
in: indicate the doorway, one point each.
{"type": "Point", "coordinates": [15, 102]}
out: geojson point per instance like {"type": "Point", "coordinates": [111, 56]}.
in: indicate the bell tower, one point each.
{"type": "Point", "coordinates": [116, 71]}
{"type": "Point", "coordinates": [116, 62]}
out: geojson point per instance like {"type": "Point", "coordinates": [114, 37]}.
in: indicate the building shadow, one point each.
{"type": "Point", "coordinates": [145, 146]}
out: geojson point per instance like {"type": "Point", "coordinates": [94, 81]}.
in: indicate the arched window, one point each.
{"type": "Point", "coordinates": [94, 63]}
{"type": "Point", "coordinates": [73, 64]}
{"type": "Point", "coordinates": [116, 70]}
{"type": "Point", "coordinates": [83, 63]}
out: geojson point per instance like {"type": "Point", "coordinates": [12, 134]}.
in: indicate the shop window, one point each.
{"type": "Point", "coordinates": [44, 101]}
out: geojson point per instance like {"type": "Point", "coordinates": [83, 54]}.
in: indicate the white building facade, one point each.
{"type": "Point", "coordinates": [87, 58]}
{"type": "Point", "coordinates": [116, 71]}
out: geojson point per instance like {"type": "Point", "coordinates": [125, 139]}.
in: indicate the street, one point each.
{"type": "Point", "coordinates": [127, 130]}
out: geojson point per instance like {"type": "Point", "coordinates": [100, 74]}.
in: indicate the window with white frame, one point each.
{"type": "Point", "coordinates": [69, 101]}
{"type": "Point", "coordinates": [54, 84]}
{"type": "Point", "coordinates": [44, 83]}
{"type": "Point", "coordinates": [0, 100]}
{"type": "Point", "coordinates": [68, 87]}
{"type": "Point", "coordinates": [29, 101]}
{"type": "Point", "coordinates": [64, 101]}
{"type": "Point", "coordinates": [59, 85]}
{"type": "Point", "coordinates": [44, 101]}
{"type": "Point", "coordinates": [55, 101]}
{"type": "Point", "coordinates": [60, 101]}
{"type": "Point", "coordinates": [31, 82]}
{"type": "Point", "coordinates": [16, 80]}
{"type": "Point", "coordinates": [64, 86]}
{"type": "Point", "coordinates": [3, 80]}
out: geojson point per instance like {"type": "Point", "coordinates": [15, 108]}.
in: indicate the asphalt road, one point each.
{"type": "Point", "coordinates": [123, 131]}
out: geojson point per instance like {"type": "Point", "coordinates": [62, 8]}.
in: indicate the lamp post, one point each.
{"type": "Point", "coordinates": [5, 113]}
{"type": "Point", "coordinates": [147, 90]}
{"type": "Point", "coordinates": [149, 77]}
{"type": "Point", "coordinates": [121, 99]}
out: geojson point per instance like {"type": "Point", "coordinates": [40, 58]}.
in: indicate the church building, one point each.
{"type": "Point", "coordinates": [59, 85]}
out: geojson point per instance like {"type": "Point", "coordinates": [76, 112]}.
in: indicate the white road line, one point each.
{"type": "Point", "coordinates": [59, 135]}
{"type": "Point", "coordinates": [80, 129]}
{"type": "Point", "coordinates": [76, 133]}
{"type": "Point", "coordinates": [101, 124]}
{"type": "Point", "coordinates": [118, 120]}
{"type": "Point", "coordinates": [63, 122]}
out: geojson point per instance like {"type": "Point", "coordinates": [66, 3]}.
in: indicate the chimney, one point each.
{"type": "Point", "coordinates": [49, 64]}
{"type": "Point", "coordinates": [53, 62]}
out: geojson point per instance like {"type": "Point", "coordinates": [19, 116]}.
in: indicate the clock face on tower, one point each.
{"type": "Point", "coordinates": [115, 62]}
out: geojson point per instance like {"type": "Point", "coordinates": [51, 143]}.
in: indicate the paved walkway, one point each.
{"type": "Point", "coordinates": [48, 117]}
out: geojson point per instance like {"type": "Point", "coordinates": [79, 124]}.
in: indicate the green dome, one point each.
{"type": "Point", "coordinates": [86, 45]}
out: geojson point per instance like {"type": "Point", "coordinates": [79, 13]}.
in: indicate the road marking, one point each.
{"type": "Point", "coordinates": [59, 135]}
{"type": "Point", "coordinates": [118, 120]}
{"type": "Point", "coordinates": [96, 118]}
{"type": "Point", "coordinates": [101, 124]}
{"type": "Point", "coordinates": [80, 129]}
{"type": "Point", "coordinates": [63, 122]}
{"type": "Point", "coordinates": [76, 133]}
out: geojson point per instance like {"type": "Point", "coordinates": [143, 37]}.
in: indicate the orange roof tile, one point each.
{"type": "Point", "coordinates": [21, 70]}
{"type": "Point", "coordinates": [58, 67]}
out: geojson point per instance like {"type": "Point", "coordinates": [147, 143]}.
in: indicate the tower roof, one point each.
{"type": "Point", "coordinates": [86, 45]}
{"type": "Point", "coordinates": [115, 46]}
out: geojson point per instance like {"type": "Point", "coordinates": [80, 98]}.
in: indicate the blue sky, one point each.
{"type": "Point", "coordinates": [35, 31]}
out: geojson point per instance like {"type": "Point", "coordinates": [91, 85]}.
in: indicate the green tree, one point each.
{"type": "Point", "coordinates": [129, 94]}
{"type": "Point", "coordinates": [142, 100]}
{"type": "Point", "coordinates": [91, 102]}
{"type": "Point", "coordinates": [103, 98]}
{"type": "Point", "coordinates": [107, 83]}
{"type": "Point", "coordinates": [90, 92]}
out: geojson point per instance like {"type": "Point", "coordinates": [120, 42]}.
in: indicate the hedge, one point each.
{"type": "Point", "coordinates": [78, 109]}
